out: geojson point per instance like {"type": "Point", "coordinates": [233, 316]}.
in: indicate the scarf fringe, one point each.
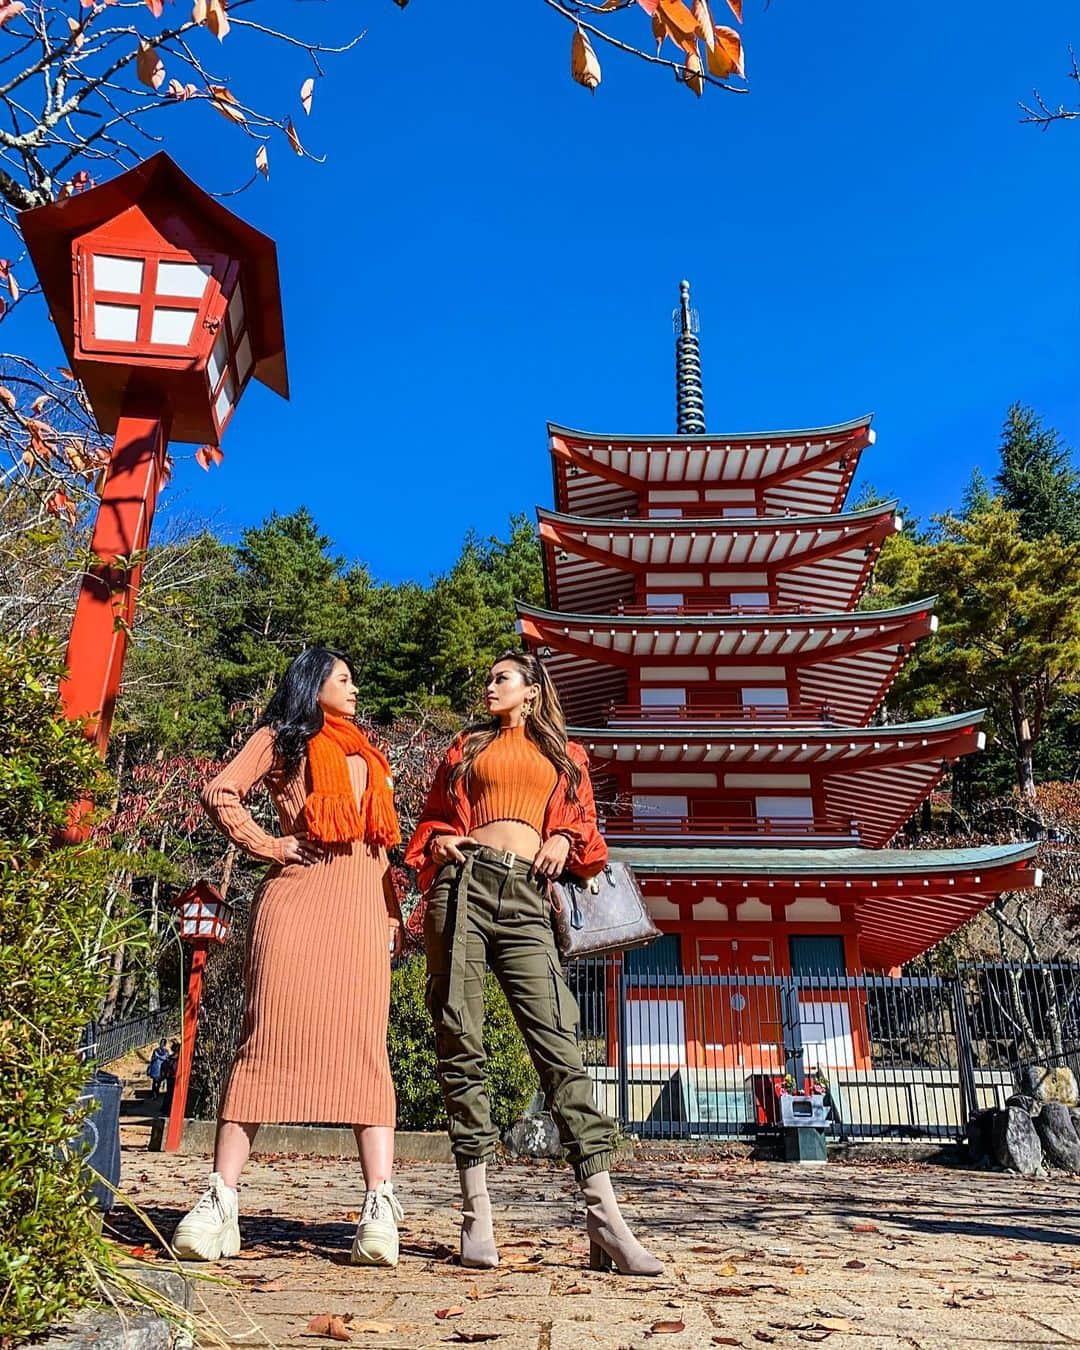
{"type": "Point", "coordinates": [332, 818]}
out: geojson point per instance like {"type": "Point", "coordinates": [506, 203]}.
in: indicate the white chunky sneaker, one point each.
{"type": "Point", "coordinates": [376, 1241]}
{"type": "Point", "coordinates": [211, 1229]}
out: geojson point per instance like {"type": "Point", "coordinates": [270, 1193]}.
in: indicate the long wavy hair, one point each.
{"type": "Point", "coordinates": [293, 713]}
{"type": "Point", "coordinates": [545, 727]}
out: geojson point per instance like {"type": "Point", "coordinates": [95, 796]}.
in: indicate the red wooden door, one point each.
{"type": "Point", "coordinates": [737, 1025]}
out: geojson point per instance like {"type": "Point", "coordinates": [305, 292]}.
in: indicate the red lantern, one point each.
{"type": "Point", "coordinates": [168, 306]}
{"type": "Point", "coordinates": [205, 918]}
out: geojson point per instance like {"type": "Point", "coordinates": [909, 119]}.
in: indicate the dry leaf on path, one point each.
{"type": "Point", "coordinates": [854, 1265]}
{"type": "Point", "coordinates": [329, 1324]}
{"type": "Point", "coordinates": [728, 1269]}
{"type": "Point", "coordinates": [474, 1337]}
{"type": "Point", "coordinates": [864, 1228]}
{"type": "Point", "coordinates": [666, 1328]}
{"type": "Point", "coordinates": [577, 1289]}
{"type": "Point", "coordinates": [726, 1340]}
{"type": "Point", "coordinates": [456, 1311]}
{"type": "Point", "coordinates": [267, 1286]}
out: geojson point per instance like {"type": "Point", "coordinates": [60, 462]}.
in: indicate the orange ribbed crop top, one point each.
{"type": "Point", "coordinates": [511, 780]}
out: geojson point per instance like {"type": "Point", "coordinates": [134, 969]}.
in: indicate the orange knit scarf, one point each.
{"type": "Point", "coordinates": [331, 810]}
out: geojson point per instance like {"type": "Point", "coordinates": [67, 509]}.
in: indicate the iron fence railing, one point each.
{"type": "Point", "coordinates": [681, 1055]}
{"type": "Point", "coordinates": [105, 1042]}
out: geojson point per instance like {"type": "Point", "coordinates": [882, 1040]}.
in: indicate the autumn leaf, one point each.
{"type": "Point", "coordinates": [13, 286]}
{"type": "Point", "coordinates": [7, 397]}
{"type": "Point", "coordinates": [649, 6]}
{"type": "Point", "coordinates": [659, 30]}
{"type": "Point", "coordinates": [199, 11]}
{"type": "Point", "coordinates": [725, 57]}
{"type": "Point", "coordinates": [75, 28]}
{"type": "Point", "coordinates": [262, 161]}
{"type": "Point", "coordinates": [216, 19]}
{"type": "Point", "coordinates": [294, 139]}
{"type": "Point", "coordinates": [149, 66]}
{"type": "Point", "coordinates": [182, 91]}
{"type": "Point", "coordinates": [666, 1328]}
{"type": "Point", "coordinates": [577, 1289]}
{"type": "Point", "coordinates": [728, 1269]}
{"type": "Point", "coordinates": [156, 7]}
{"type": "Point", "coordinates": [328, 1324]}
{"type": "Point", "coordinates": [692, 74]}
{"type": "Point", "coordinates": [202, 459]}
{"type": "Point", "coordinates": [10, 9]}
{"type": "Point", "coordinates": [703, 19]}
{"type": "Point", "coordinates": [306, 91]}
{"type": "Point", "coordinates": [584, 66]}
{"type": "Point", "coordinates": [59, 504]}
{"type": "Point", "coordinates": [736, 8]}
{"type": "Point", "coordinates": [225, 103]}
{"type": "Point", "coordinates": [456, 1311]}
{"type": "Point", "coordinates": [681, 25]}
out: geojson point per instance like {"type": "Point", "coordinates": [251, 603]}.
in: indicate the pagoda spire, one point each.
{"type": "Point", "coordinates": [689, 398]}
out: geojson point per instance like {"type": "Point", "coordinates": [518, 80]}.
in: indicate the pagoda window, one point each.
{"type": "Point", "coordinates": [749, 599]}
{"type": "Point", "coordinates": [668, 808]}
{"type": "Point", "coordinates": [663, 956]}
{"type": "Point", "coordinates": [655, 697]}
{"type": "Point", "coordinates": [774, 696]}
{"type": "Point", "coordinates": [785, 808]}
{"type": "Point", "coordinates": [664, 599]}
{"type": "Point", "coordinates": [664, 512]}
{"type": "Point", "coordinates": [817, 954]}
{"type": "Point", "coordinates": [740, 511]}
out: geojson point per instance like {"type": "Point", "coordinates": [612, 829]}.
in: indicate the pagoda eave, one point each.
{"type": "Point", "coordinates": [901, 901]}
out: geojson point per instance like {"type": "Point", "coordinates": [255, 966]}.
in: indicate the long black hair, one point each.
{"type": "Point", "coordinates": [293, 713]}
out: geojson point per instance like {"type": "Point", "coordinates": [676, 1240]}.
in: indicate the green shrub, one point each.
{"type": "Point", "coordinates": [54, 947]}
{"type": "Point", "coordinates": [511, 1080]}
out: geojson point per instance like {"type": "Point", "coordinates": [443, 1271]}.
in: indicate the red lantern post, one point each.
{"type": "Point", "coordinates": [205, 918]}
{"type": "Point", "coordinates": [168, 305]}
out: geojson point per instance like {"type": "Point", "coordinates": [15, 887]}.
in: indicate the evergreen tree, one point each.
{"type": "Point", "coordinates": [977, 495]}
{"type": "Point", "coordinates": [1037, 479]}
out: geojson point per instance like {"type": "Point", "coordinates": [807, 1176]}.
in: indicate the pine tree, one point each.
{"type": "Point", "coordinates": [1037, 479]}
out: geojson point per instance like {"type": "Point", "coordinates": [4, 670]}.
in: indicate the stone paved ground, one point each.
{"type": "Point", "coordinates": [854, 1255]}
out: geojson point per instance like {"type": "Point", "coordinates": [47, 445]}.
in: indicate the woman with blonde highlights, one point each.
{"type": "Point", "coordinates": [511, 808]}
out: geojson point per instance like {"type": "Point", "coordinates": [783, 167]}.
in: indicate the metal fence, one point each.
{"type": "Point", "coordinates": [680, 1055]}
{"type": "Point", "coordinates": [105, 1042]}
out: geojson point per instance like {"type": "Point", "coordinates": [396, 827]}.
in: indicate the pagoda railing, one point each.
{"type": "Point", "coordinates": [707, 608]}
{"type": "Point", "coordinates": [813, 713]}
{"type": "Point", "coordinates": [771, 828]}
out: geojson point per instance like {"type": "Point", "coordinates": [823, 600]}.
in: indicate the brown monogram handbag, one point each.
{"type": "Point", "coordinates": [606, 914]}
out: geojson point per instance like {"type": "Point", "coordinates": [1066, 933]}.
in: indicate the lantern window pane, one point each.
{"type": "Point", "coordinates": [183, 278]}
{"type": "Point", "coordinates": [236, 312]}
{"type": "Point", "coordinates": [218, 359]}
{"type": "Point", "coordinates": [224, 401]}
{"type": "Point", "coordinates": [116, 323]}
{"type": "Point", "coordinates": [117, 274]}
{"type": "Point", "coordinates": [172, 327]}
{"type": "Point", "coordinates": [244, 358]}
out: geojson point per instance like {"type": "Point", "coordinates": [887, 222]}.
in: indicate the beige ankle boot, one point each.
{"type": "Point", "coordinates": [611, 1243]}
{"type": "Point", "coordinates": [478, 1250]}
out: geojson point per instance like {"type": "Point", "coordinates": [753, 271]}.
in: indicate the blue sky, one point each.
{"type": "Point", "coordinates": [488, 247]}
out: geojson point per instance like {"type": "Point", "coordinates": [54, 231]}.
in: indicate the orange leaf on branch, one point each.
{"type": "Point", "coordinates": [681, 24]}
{"type": "Point", "coordinates": [216, 19]}
{"type": "Point", "coordinates": [10, 9]}
{"type": "Point", "coordinates": [149, 66]}
{"type": "Point", "coordinates": [649, 6]}
{"type": "Point", "coordinates": [725, 57]}
{"type": "Point", "coordinates": [262, 161]}
{"type": "Point", "coordinates": [584, 66]}
{"type": "Point", "coordinates": [736, 8]}
{"type": "Point", "coordinates": [693, 74]}
{"type": "Point", "coordinates": [306, 91]}
{"type": "Point", "coordinates": [156, 7]}
{"type": "Point", "coordinates": [294, 139]}
{"type": "Point", "coordinates": [225, 103]}
{"type": "Point", "coordinates": [703, 19]}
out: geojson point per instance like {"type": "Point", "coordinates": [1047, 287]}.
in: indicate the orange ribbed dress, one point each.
{"type": "Point", "coordinates": [317, 970]}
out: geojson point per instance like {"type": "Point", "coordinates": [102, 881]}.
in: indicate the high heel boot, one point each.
{"type": "Point", "coordinates": [478, 1250]}
{"type": "Point", "coordinates": [611, 1243]}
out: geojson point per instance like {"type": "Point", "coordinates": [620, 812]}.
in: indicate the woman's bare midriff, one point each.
{"type": "Point", "coordinates": [514, 835]}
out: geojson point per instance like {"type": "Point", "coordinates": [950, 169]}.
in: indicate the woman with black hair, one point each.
{"type": "Point", "coordinates": [511, 808]}
{"type": "Point", "coordinates": [324, 925]}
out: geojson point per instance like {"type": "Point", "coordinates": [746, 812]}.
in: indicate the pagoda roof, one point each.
{"type": "Point", "coordinates": [818, 562]}
{"type": "Point", "coordinates": [808, 471]}
{"type": "Point", "coordinates": [846, 661]}
{"type": "Point", "coordinates": [874, 776]}
{"type": "Point", "coordinates": [905, 900]}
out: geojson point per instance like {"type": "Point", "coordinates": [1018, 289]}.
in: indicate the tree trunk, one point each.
{"type": "Point", "coordinates": [1025, 746]}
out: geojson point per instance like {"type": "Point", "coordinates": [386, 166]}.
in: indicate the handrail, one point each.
{"type": "Point", "coordinates": [707, 608]}
{"type": "Point", "coordinates": [718, 712]}
{"type": "Point", "coordinates": [751, 826]}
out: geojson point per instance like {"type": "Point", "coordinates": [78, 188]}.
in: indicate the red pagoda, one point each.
{"type": "Point", "coordinates": [702, 627]}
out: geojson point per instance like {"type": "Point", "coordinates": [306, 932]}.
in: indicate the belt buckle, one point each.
{"type": "Point", "coordinates": [509, 857]}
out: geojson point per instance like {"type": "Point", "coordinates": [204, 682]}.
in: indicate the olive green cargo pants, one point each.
{"type": "Point", "coordinates": [489, 911]}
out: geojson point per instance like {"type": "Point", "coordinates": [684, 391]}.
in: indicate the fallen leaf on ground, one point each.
{"type": "Point", "coordinates": [666, 1328]}
{"type": "Point", "coordinates": [578, 1289]}
{"type": "Point", "coordinates": [798, 1270]}
{"type": "Point", "coordinates": [728, 1269]}
{"type": "Point", "coordinates": [329, 1324]}
{"type": "Point", "coordinates": [375, 1328]}
{"type": "Point", "coordinates": [476, 1295]}
{"type": "Point", "coordinates": [730, 1291]}
{"type": "Point", "coordinates": [763, 1336]}
{"type": "Point", "coordinates": [864, 1228]}
{"type": "Point", "coordinates": [475, 1337]}
{"type": "Point", "coordinates": [455, 1311]}
{"type": "Point", "coordinates": [833, 1324]}
{"type": "Point", "coordinates": [726, 1340]}
{"type": "Point", "coordinates": [267, 1286]}
{"type": "Point", "coordinates": [854, 1265]}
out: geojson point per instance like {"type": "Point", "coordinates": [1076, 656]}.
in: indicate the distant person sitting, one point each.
{"type": "Point", "coordinates": [154, 1068]}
